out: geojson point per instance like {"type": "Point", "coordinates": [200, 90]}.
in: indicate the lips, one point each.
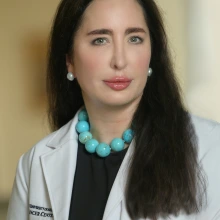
{"type": "Point", "coordinates": [118, 83]}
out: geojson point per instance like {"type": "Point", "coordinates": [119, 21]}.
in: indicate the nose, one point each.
{"type": "Point", "coordinates": [118, 61]}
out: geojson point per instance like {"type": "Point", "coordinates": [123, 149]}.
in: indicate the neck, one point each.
{"type": "Point", "coordinates": [107, 122]}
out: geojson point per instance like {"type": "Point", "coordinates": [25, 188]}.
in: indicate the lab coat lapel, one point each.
{"type": "Point", "coordinates": [117, 192]}
{"type": "Point", "coordinates": [59, 169]}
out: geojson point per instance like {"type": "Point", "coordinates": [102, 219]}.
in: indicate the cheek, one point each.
{"type": "Point", "coordinates": [87, 62]}
{"type": "Point", "coordinates": [142, 61]}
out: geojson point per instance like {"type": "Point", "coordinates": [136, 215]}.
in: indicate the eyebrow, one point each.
{"type": "Point", "coordinates": [110, 32]}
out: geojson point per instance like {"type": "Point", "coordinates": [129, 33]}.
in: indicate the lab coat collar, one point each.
{"type": "Point", "coordinates": [59, 167]}
{"type": "Point", "coordinates": [64, 134]}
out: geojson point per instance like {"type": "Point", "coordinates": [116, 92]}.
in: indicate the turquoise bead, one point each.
{"type": "Point", "coordinates": [103, 150]}
{"type": "Point", "coordinates": [85, 136]}
{"type": "Point", "coordinates": [128, 135]}
{"type": "Point", "coordinates": [117, 144]}
{"type": "Point", "coordinates": [91, 145]}
{"type": "Point", "coordinates": [83, 115]}
{"type": "Point", "coordinates": [82, 126]}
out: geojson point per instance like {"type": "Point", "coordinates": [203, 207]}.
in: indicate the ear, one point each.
{"type": "Point", "coordinates": [69, 65]}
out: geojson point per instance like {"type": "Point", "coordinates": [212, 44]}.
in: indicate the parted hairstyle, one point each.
{"type": "Point", "coordinates": [164, 176]}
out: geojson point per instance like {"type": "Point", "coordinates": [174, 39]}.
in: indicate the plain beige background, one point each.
{"type": "Point", "coordinates": [25, 26]}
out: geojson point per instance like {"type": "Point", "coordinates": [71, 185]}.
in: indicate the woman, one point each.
{"type": "Point", "coordinates": [109, 69]}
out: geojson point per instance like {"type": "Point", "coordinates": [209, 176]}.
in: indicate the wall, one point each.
{"type": "Point", "coordinates": [203, 52]}
{"type": "Point", "coordinates": [23, 40]}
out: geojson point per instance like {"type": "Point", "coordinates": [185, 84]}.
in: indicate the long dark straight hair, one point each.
{"type": "Point", "coordinates": [164, 175]}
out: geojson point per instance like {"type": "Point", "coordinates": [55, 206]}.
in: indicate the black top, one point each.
{"type": "Point", "coordinates": [93, 181]}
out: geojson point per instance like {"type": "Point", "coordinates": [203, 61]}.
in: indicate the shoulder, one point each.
{"type": "Point", "coordinates": [208, 135]}
{"type": "Point", "coordinates": [205, 126]}
{"type": "Point", "coordinates": [31, 161]}
{"type": "Point", "coordinates": [51, 142]}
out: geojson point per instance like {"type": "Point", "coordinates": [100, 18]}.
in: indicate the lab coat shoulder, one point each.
{"type": "Point", "coordinates": [208, 137]}
{"type": "Point", "coordinates": [29, 181]}
{"type": "Point", "coordinates": [48, 144]}
{"type": "Point", "coordinates": [32, 156]}
{"type": "Point", "coordinates": [34, 153]}
{"type": "Point", "coordinates": [18, 205]}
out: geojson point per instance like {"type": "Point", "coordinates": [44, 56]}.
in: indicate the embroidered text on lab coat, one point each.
{"type": "Point", "coordinates": [40, 211]}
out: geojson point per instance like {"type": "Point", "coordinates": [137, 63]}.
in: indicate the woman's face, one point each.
{"type": "Point", "coordinates": [111, 53]}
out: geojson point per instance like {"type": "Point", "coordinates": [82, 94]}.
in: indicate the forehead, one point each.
{"type": "Point", "coordinates": [114, 14]}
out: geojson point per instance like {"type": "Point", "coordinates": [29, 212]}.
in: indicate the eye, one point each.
{"type": "Point", "coordinates": [136, 40]}
{"type": "Point", "coordinates": [99, 41]}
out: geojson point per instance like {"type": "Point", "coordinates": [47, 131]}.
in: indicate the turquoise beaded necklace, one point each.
{"type": "Point", "coordinates": [92, 145]}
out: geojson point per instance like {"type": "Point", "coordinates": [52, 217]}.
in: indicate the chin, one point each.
{"type": "Point", "coordinates": [117, 103]}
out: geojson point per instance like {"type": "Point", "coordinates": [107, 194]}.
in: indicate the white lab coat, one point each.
{"type": "Point", "coordinates": [45, 174]}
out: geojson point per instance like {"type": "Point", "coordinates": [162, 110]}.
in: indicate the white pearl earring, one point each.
{"type": "Point", "coordinates": [70, 76]}
{"type": "Point", "coordinates": [150, 71]}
